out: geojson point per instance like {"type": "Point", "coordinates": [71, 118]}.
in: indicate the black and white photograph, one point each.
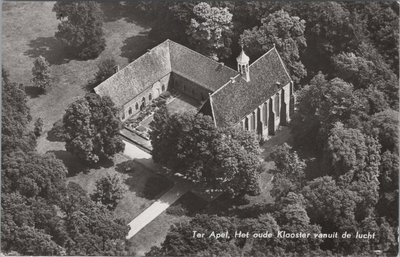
{"type": "Point", "coordinates": [200, 128]}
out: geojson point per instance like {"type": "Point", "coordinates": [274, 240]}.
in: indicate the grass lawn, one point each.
{"type": "Point", "coordinates": [28, 32]}
{"type": "Point", "coordinates": [135, 178]}
{"type": "Point", "coordinates": [183, 103]}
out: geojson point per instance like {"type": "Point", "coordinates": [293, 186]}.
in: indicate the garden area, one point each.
{"type": "Point", "coordinates": [139, 124]}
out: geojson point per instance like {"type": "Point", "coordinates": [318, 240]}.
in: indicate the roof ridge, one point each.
{"type": "Point", "coordinates": [227, 83]}
{"type": "Point", "coordinates": [191, 50]}
{"type": "Point", "coordinates": [212, 111]}
{"type": "Point", "coordinates": [283, 64]}
{"type": "Point", "coordinates": [259, 58]}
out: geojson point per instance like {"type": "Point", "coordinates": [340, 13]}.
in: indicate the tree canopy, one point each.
{"type": "Point", "coordinates": [209, 31]}
{"type": "Point", "coordinates": [92, 128]}
{"type": "Point", "coordinates": [81, 27]}
{"type": "Point", "coordinates": [283, 31]}
{"type": "Point", "coordinates": [41, 73]}
{"type": "Point", "coordinates": [222, 158]}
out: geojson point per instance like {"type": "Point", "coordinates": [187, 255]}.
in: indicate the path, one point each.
{"type": "Point", "coordinates": [159, 206]}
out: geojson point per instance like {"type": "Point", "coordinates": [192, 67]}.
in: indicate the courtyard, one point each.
{"type": "Point", "coordinates": [137, 129]}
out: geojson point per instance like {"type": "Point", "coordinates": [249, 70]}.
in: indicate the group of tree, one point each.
{"type": "Point", "coordinates": [41, 74]}
{"type": "Point", "coordinates": [91, 128]}
{"type": "Point", "coordinates": [40, 213]}
{"type": "Point", "coordinates": [81, 27]}
{"type": "Point", "coordinates": [222, 158]}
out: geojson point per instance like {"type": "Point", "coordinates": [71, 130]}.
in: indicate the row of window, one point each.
{"type": "Point", "coordinates": [252, 120]}
{"type": "Point", "coordinates": [150, 97]}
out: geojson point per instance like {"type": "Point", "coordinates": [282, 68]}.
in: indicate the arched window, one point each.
{"type": "Point", "coordinates": [277, 105]}
{"type": "Point", "coordinates": [130, 110]}
{"type": "Point", "coordinates": [150, 97]}
{"type": "Point", "coordinates": [136, 106]}
{"type": "Point", "coordinates": [163, 88]}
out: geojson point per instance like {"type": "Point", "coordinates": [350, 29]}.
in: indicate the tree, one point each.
{"type": "Point", "coordinates": [15, 117]}
{"type": "Point", "coordinates": [109, 191]}
{"type": "Point", "coordinates": [331, 28]}
{"type": "Point", "coordinates": [366, 69]}
{"type": "Point", "coordinates": [38, 127]}
{"type": "Point", "coordinates": [286, 33]}
{"type": "Point", "coordinates": [92, 128]}
{"type": "Point", "coordinates": [320, 105]}
{"type": "Point", "coordinates": [107, 68]}
{"type": "Point", "coordinates": [221, 158]}
{"type": "Point", "coordinates": [210, 31]}
{"type": "Point", "coordinates": [81, 27]}
{"type": "Point", "coordinates": [289, 173]}
{"type": "Point", "coordinates": [180, 241]}
{"type": "Point", "coordinates": [91, 229]}
{"type": "Point", "coordinates": [292, 217]}
{"type": "Point", "coordinates": [33, 175]}
{"type": "Point", "coordinates": [384, 126]}
{"type": "Point", "coordinates": [41, 73]}
{"type": "Point", "coordinates": [381, 21]}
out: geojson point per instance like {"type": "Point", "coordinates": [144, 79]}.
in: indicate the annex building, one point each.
{"type": "Point", "coordinates": [257, 97]}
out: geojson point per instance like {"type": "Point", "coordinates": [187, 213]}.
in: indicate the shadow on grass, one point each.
{"type": "Point", "coordinates": [188, 205]}
{"type": "Point", "coordinates": [90, 85]}
{"type": "Point", "coordinates": [71, 162]}
{"type": "Point", "coordinates": [33, 92]}
{"type": "Point", "coordinates": [50, 48]}
{"type": "Point", "coordinates": [226, 206]}
{"type": "Point", "coordinates": [125, 10]}
{"type": "Point", "coordinates": [74, 165]}
{"type": "Point", "coordinates": [56, 133]}
{"type": "Point", "coordinates": [136, 46]}
{"type": "Point", "coordinates": [153, 185]}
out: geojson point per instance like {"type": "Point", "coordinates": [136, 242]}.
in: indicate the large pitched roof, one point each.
{"type": "Point", "coordinates": [236, 99]}
{"type": "Point", "coordinates": [143, 72]}
{"type": "Point", "coordinates": [199, 68]}
{"type": "Point", "coordinates": [165, 58]}
{"type": "Point", "coordinates": [230, 100]}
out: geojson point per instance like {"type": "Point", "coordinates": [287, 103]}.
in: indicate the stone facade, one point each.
{"type": "Point", "coordinates": [268, 116]}
{"type": "Point", "coordinates": [144, 98]}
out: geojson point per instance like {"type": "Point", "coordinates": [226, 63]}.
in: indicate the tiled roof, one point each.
{"type": "Point", "coordinates": [199, 68]}
{"type": "Point", "coordinates": [235, 100]}
{"type": "Point", "coordinates": [143, 72]}
{"type": "Point", "coordinates": [165, 58]}
{"type": "Point", "coordinates": [229, 103]}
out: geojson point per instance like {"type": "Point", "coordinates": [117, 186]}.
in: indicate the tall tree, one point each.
{"type": "Point", "coordinates": [189, 144]}
{"type": "Point", "coordinates": [107, 68]}
{"type": "Point", "coordinates": [289, 173]}
{"type": "Point", "coordinates": [81, 27]}
{"type": "Point", "coordinates": [92, 128]}
{"type": "Point", "coordinates": [41, 73]}
{"type": "Point", "coordinates": [109, 191]}
{"type": "Point", "coordinates": [286, 33]}
{"type": "Point", "coordinates": [210, 30]}
{"type": "Point", "coordinates": [15, 117]}
{"type": "Point", "coordinates": [320, 105]}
